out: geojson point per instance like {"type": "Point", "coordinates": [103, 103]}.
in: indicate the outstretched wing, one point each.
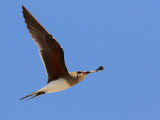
{"type": "Point", "coordinates": [51, 52]}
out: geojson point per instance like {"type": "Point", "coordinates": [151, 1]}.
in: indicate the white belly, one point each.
{"type": "Point", "coordinates": [56, 85]}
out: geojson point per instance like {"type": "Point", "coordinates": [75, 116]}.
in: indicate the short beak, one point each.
{"type": "Point", "coordinates": [86, 73]}
{"type": "Point", "coordinates": [97, 70]}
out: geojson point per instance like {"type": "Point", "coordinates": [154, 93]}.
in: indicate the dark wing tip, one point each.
{"type": "Point", "coordinates": [24, 10]}
{"type": "Point", "coordinates": [23, 7]}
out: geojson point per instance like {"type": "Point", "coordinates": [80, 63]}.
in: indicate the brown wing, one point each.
{"type": "Point", "coordinates": [51, 52]}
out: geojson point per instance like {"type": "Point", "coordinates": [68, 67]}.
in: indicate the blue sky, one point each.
{"type": "Point", "coordinates": [121, 35]}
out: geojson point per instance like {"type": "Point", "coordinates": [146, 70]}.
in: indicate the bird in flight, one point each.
{"type": "Point", "coordinates": [53, 58]}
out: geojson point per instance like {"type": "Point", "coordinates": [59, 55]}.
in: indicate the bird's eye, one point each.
{"type": "Point", "coordinates": [79, 72]}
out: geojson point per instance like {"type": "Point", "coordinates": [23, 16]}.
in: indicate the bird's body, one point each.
{"type": "Point", "coordinates": [62, 83]}
{"type": "Point", "coordinates": [53, 58]}
{"type": "Point", "coordinates": [56, 86]}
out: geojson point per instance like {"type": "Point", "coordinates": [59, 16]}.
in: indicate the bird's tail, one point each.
{"type": "Point", "coordinates": [34, 94]}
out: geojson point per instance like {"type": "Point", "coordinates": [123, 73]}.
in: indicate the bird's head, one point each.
{"type": "Point", "coordinates": [80, 75]}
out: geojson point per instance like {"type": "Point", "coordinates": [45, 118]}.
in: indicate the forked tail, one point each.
{"type": "Point", "coordinates": [34, 94]}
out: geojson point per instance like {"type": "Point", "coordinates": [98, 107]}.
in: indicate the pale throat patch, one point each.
{"type": "Point", "coordinates": [56, 86]}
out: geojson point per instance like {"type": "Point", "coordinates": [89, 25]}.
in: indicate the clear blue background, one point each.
{"type": "Point", "coordinates": [121, 35]}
